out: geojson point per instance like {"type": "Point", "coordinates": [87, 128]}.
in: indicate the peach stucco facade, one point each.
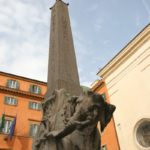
{"type": "Point", "coordinates": [25, 116]}
{"type": "Point", "coordinates": [109, 136]}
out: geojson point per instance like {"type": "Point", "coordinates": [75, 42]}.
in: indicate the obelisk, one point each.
{"type": "Point", "coordinates": [62, 66]}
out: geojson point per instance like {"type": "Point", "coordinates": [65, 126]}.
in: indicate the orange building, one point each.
{"type": "Point", "coordinates": [20, 97]}
{"type": "Point", "coordinates": [109, 137]}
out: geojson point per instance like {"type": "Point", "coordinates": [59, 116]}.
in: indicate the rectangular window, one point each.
{"type": "Point", "coordinates": [33, 129]}
{"type": "Point", "coordinates": [10, 100]}
{"type": "Point", "coordinates": [7, 126]}
{"type": "Point", "coordinates": [13, 84]}
{"type": "Point", "coordinates": [104, 96]}
{"type": "Point", "coordinates": [104, 147]}
{"type": "Point", "coordinates": [34, 105]}
{"type": "Point", "coordinates": [35, 89]}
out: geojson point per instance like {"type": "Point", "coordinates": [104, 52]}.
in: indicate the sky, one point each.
{"type": "Point", "coordinates": [101, 28]}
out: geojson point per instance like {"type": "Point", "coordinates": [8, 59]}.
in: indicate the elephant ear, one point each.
{"type": "Point", "coordinates": [106, 115]}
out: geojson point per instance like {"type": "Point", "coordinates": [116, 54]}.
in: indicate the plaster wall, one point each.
{"type": "Point", "coordinates": [129, 89]}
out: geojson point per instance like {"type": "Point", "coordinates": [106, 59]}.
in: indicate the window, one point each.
{"type": "Point", "coordinates": [33, 129]}
{"type": "Point", "coordinates": [104, 96]}
{"type": "Point", "coordinates": [104, 147]}
{"type": "Point", "coordinates": [10, 100]}
{"type": "Point", "coordinates": [7, 126]}
{"type": "Point", "coordinates": [35, 89]}
{"type": "Point", "coordinates": [34, 105]}
{"type": "Point", "coordinates": [13, 84]}
{"type": "Point", "coordinates": [143, 133]}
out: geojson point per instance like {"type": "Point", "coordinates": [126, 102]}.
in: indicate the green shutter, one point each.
{"type": "Point", "coordinates": [5, 100]}
{"type": "Point", "coordinates": [31, 130]}
{"type": "Point", "coordinates": [8, 83]}
{"type": "Point", "coordinates": [16, 101]}
{"type": "Point", "coordinates": [17, 85]}
{"type": "Point", "coordinates": [2, 125]}
{"type": "Point", "coordinates": [30, 104]}
{"type": "Point", "coordinates": [40, 106]}
{"type": "Point", "coordinates": [31, 88]}
{"type": "Point", "coordinates": [39, 90]}
{"type": "Point", "coordinates": [37, 128]}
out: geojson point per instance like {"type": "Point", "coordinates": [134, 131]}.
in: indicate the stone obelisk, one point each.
{"type": "Point", "coordinates": [62, 66]}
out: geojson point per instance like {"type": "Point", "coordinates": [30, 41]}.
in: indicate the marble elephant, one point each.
{"type": "Point", "coordinates": [76, 128]}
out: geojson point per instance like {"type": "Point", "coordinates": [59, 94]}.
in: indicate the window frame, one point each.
{"type": "Point", "coordinates": [37, 105]}
{"type": "Point", "coordinates": [13, 84]}
{"type": "Point", "coordinates": [136, 128]}
{"type": "Point", "coordinates": [32, 133]}
{"type": "Point", "coordinates": [9, 100]}
{"type": "Point", "coordinates": [10, 120]}
{"type": "Point", "coordinates": [35, 89]}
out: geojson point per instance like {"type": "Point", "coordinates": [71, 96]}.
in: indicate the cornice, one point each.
{"type": "Point", "coordinates": [126, 52]}
{"type": "Point", "coordinates": [22, 78]}
{"type": "Point", "coordinates": [20, 93]}
{"type": "Point", "coordinates": [99, 84]}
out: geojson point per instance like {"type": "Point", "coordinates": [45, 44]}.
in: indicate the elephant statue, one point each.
{"type": "Point", "coordinates": [70, 122]}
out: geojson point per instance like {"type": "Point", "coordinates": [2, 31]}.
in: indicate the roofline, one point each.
{"type": "Point", "coordinates": [123, 49]}
{"type": "Point", "coordinates": [22, 78]}
{"type": "Point", "coordinates": [97, 85]}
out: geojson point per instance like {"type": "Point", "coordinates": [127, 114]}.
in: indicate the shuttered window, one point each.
{"type": "Point", "coordinates": [13, 84]}
{"type": "Point", "coordinates": [7, 126]}
{"type": "Point", "coordinates": [33, 129]}
{"type": "Point", "coordinates": [34, 105]}
{"type": "Point", "coordinates": [35, 89]}
{"type": "Point", "coordinates": [10, 100]}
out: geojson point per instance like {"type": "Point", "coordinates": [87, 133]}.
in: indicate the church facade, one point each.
{"type": "Point", "coordinates": [127, 81]}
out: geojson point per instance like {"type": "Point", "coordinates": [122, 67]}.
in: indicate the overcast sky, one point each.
{"type": "Point", "coordinates": [101, 28]}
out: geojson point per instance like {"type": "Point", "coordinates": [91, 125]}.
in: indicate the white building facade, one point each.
{"type": "Point", "coordinates": [127, 78]}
